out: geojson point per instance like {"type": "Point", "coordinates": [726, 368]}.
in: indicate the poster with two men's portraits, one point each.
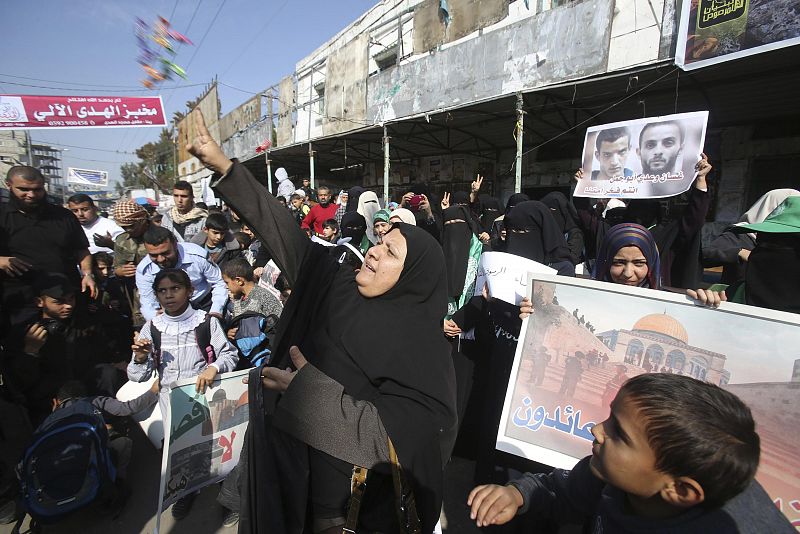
{"type": "Point", "coordinates": [653, 157]}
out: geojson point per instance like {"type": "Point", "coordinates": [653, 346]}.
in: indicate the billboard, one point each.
{"type": "Point", "coordinates": [240, 118]}
{"type": "Point", "coordinates": [654, 157]}
{"type": "Point", "coordinates": [586, 338]}
{"type": "Point", "coordinates": [713, 31]}
{"type": "Point", "coordinates": [19, 112]}
{"type": "Point", "coordinates": [209, 105]}
{"type": "Point", "coordinates": [87, 177]}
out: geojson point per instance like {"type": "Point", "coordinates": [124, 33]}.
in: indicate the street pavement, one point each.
{"type": "Point", "coordinates": [206, 515]}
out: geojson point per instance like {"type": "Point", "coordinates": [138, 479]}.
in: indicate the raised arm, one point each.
{"type": "Point", "coordinates": [269, 220]}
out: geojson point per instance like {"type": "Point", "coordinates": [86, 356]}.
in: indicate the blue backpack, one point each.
{"type": "Point", "coordinates": [253, 338]}
{"type": "Point", "coordinates": [68, 464]}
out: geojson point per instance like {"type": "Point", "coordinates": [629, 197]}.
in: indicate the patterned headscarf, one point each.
{"type": "Point", "coordinates": [381, 215]}
{"type": "Point", "coordinates": [624, 235]}
{"type": "Point", "coordinates": [127, 213]}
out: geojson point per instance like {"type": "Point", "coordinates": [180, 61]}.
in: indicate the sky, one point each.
{"type": "Point", "coordinates": [85, 47]}
{"type": "Point", "coordinates": [757, 350]}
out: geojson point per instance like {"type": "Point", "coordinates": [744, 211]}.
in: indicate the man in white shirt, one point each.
{"type": "Point", "coordinates": [100, 231]}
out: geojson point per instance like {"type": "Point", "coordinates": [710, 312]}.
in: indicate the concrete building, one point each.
{"type": "Point", "coordinates": [14, 150]}
{"type": "Point", "coordinates": [409, 93]}
{"type": "Point", "coordinates": [47, 159]}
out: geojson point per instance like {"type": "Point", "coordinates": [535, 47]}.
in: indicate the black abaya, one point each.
{"type": "Point", "coordinates": [409, 379]}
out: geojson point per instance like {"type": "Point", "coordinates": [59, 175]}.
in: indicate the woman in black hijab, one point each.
{"type": "Point", "coordinates": [354, 228]}
{"type": "Point", "coordinates": [490, 210]}
{"type": "Point", "coordinates": [566, 217]}
{"type": "Point", "coordinates": [462, 250]}
{"type": "Point", "coordinates": [359, 391]}
{"type": "Point", "coordinates": [531, 232]}
{"type": "Point", "coordinates": [498, 233]}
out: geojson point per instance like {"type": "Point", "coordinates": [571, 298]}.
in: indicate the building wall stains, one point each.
{"type": "Point", "coordinates": [286, 106]}
{"type": "Point", "coordinates": [346, 87]}
{"type": "Point", "coordinates": [466, 16]}
{"type": "Point", "coordinates": [554, 46]}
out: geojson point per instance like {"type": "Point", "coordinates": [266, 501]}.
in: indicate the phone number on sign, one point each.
{"type": "Point", "coordinates": [70, 123]}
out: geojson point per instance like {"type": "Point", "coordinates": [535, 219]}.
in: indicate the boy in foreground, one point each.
{"type": "Point", "coordinates": [675, 455]}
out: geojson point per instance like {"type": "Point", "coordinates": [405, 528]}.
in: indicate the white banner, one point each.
{"type": "Point", "coordinates": [87, 177]}
{"type": "Point", "coordinates": [204, 435]}
{"type": "Point", "coordinates": [506, 275]}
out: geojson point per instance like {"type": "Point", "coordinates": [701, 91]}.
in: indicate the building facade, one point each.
{"type": "Point", "coordinates": [659, 342]}
{"type": "Point", "coordinates": [449, 90]}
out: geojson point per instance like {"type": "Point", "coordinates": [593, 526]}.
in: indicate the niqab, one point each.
{"type": "Point", "coordinates": [456, 240]}
{"type": "Point", "coordinates": [771, 279]}
{"type": "Point", "coordinates": [562, 210]}
{"type": "Point", "coordinates": [531, 232]}
{"type": "Point", "coordinates": [367, 206]}
{"type": "Point", "coordinates": [515, 199]}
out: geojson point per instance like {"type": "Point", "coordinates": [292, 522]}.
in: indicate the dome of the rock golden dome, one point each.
{"type": "Point", "coordinates": [661, 323]}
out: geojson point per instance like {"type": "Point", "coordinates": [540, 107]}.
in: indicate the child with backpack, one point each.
{"type": "Point", "coordinates": [180, 343]}
{"type": "Point", "coordinates": [675, 455]}
{"type": "Point", "coordinates": [75, 459]}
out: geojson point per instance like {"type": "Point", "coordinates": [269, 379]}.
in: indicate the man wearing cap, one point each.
{"type": "Point", "coordinates": [285, 185]}
{"type": "Point", "coordinates": [129, 250]}
{"type": "Point", "coordinates": [100, 232]}
{"type": "Point", "coordinates": [37, 237]}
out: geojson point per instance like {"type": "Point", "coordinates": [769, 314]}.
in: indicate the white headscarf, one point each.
{"type": "Point", "coordinates": [367, 206]}
{"type": "Point", "coordinates": [281, 174]}
{"type": "Point", "coordinates": [764, 206]}
{"type": "Point", "coordinates": [404, 215]}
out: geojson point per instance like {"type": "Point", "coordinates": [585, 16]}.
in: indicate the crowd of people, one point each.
{"type": "Point", "coordinates": [380, 359]}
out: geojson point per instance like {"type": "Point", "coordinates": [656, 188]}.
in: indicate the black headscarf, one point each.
{"type": "Point", "coordinates": [490, 210]}
{"type": "Point", "coordinates": [771, 279]}
{"type": "Point", "coordinates": [562, 210]}
{"type": "Point", "coordinates": [541, 241]}
{"type": "Point", "coordinates": [353, 225]}
{"type": "Point", "coordinates": [515, 199]}
{"type": "Point", "coordinates": [456, 240]}
{"type": "Point", "coordinates": [459, 198]}
{"type": "Point", "coordinates": [352, 198]}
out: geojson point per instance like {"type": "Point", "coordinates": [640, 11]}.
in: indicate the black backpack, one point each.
{"type": "Point", "coordinates": [202, 333]}
{"type": "Point", "coordinates": [68, 465]}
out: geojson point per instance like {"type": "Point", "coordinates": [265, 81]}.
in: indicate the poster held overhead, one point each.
{"type": "Point", "coordinates": [654, 157]}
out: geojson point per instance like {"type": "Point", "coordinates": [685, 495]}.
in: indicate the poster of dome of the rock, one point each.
{"type": "Point", "coordinates": [586, 338]}
{"type": "Point", "coordinates": [713, 31]}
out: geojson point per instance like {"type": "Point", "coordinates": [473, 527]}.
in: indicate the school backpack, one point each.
{"type": "Point", "coordinates": [202, 334]}
{"type": "Point", "coordinates": [68, 464]}
{"type": "Point", "coordinates": [255, 330]}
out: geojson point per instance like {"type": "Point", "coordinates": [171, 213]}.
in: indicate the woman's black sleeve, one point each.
{"type": "Point", "coordinates": [269, 219]}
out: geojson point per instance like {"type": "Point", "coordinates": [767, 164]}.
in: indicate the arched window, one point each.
{"type": "Point", "coordinates": [654, 354]}
{"type": "Point", "coordinates": [676, 360]}
{"type": "Point", "coordinates": [698, 368]}
{"type": "Point", "coordinates": [635, 350]}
